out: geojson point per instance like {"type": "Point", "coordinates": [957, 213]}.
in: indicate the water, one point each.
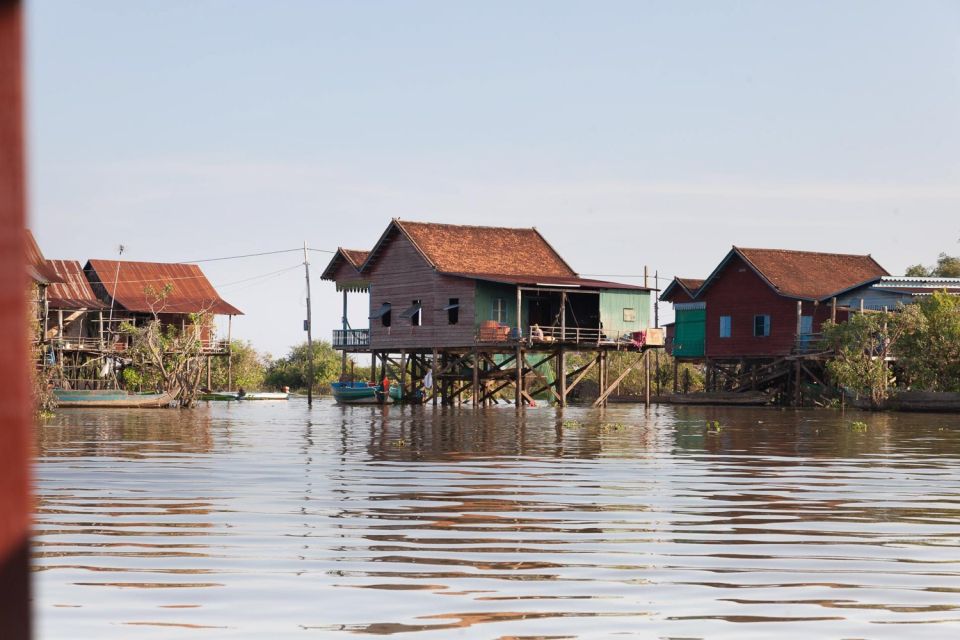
{"type": "Point", "coordinates": [266, 520]}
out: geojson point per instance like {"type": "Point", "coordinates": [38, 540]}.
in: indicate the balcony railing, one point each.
{"type": "Point", "coordinates": [569, 335]}
{"type": "Point", "coordinates": [346, 338]}
{"type": "Point", "coordinates": [96, 345]}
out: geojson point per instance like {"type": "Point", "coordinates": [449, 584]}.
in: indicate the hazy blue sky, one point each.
{"type": "Point", "coordinates": [629, 133]}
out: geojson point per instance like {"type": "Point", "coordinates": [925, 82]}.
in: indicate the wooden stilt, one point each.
{"type": "Point", "coordinates": [434, 371]}
{"type": "Point", "coordinates": [403, 375]}
{"type": "Point", "coordinates": [518, 393]}
{"type": "Point", "coordinates": [646, 379]}
{"type": "Point", "coordinates": [476, 377]}
{"type": "Point", "coordinates": [562, 374]}
{"type": "Point", "coordinates": [676, 375]}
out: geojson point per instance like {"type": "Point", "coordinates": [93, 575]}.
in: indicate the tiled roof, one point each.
{"type": "Point", "coordinates": [191, 291]}
{"type": "Point", "coordinates": [355, 257]}
{"type": "Point", "coordinates": [691, 284]}
{"type": "Point", "coordinates": [811, 275]}
{"type": "Point", "coordinates": [74, 291]}
{"type": "Point", "coordinates": [485, 250]}
{"type": "Point", "coordinates": [551, 281]}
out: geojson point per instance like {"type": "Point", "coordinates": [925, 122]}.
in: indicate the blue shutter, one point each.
{"type": "Point", "coordinates": [766, 325]}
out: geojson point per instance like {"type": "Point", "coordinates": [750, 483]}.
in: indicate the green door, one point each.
{"type": "Point", "coordinates": [690, 331]}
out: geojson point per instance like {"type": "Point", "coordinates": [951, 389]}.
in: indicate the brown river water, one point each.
{"type": "Point", "coordinates": [269, 520]}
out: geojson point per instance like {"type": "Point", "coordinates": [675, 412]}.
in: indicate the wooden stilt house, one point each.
{"type": "Point", "coordinates": [471, 300]}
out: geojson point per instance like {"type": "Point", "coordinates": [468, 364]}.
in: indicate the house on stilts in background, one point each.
{"type": "Point", "coordinates": [755, 321]}
{"type": "Point", "coordinates": [482, 308]}
{"type": "Point", "coordinates": [80, 312]}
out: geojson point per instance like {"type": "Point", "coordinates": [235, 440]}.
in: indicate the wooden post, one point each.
{"type": "Point", "coordinates": [373, 367]}
{"type": "Point", "coordinates": [343, 354]}
{"type": "Point", "coordinates": [563, 317]}
{"type": "Point", "coordinates": [230, 353]}
{"type": "Point", "coordinates": [403, 375]}
{"type": "Point", "coordinates": [562, 375]}
{"type": "Point", "coordinates": [861, 305]}
{"type": "Point", "coordinates": [676, 374]}
{"type": "Point", "coordinates": [796, 384]}
{"type": "Point", "coordinates": [518, 391]}
{"type": "Point", "coordinates": [434, 369]}
{"type": "Point", "coordinates": [833, 309]}
{"type": "Point", "coordinates": [306, 268]}
{"type": "Point", "coordinates": [209, 374]}
{"type": "Point", "coordinates": [476, 378]}
{"type": "Point", "coordinates": [646, 379]}
{"type": "Point", "coordinates": [799, 321]}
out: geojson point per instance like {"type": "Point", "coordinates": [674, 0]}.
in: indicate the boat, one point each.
{"type": "Point", "coordinates": [111, 398]}
{"type": "Point", "coordinates": [263, 395]}
{"type": "Point", "coordinates": [919, 401]}
{"type": "Point", "coordinates": [247, 395]}
{"type": "Point", "coordinates": [735, 398]}
{"type": "Point", "coordinates": [359, 393]}
{"type": "Point", "coordinates": [397, 395]}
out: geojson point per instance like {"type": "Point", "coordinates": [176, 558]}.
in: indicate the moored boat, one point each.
{"type": "Point", "coordinates": [263, 395]}
{"type": "Point", "coordinates": [359, 393]}
{"type": "Point", "coordinates": [111, 398]}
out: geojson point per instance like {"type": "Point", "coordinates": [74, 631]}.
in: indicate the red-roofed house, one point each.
{"type": "Point", "coordinates": [771, 302]}
{"type": "Point", "coordinates": [457, 287]}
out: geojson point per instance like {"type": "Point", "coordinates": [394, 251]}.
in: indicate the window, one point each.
{"type": "Point", "coordinates": [761, 326]}
{"type": "Point", "coordinates": [498, 310]}
{"type": "Point", "coordinates": [383, 314]}
{"type": "Point", "coordinates": [414, 312]}
{"type": "Point", "coordinates": [417, 318]}
{"type": "Point", "coordinates": [629, 315]}
{"type": "Point", "coordinates": [453, 311]}
{"type": "Point", "coordinates": [725, 326]}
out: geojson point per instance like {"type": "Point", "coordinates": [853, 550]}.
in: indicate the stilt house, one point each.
{"type": "Point", "coordinates": [459, 289]}
{"type": "Point", "coordinates": [135, 291]}
{"type": "Point", "coordinates": [686, 334]}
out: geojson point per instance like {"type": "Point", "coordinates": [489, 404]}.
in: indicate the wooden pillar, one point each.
{"type": "Point", "coordinates": [15, 414]}
{"type": "Point", "coordinates": [343, 354]}
{"type": "Point", "coordinates": [403, 375]}
{"type": "Point", "coordinates": [646, 379]}
{"type": "Point", "coordinates": [518, 392]}
{"type": "Point", "coordinates": [563, 317]}
{"type": "Point", "coordinates": [602, 373]}
{"type": "Point", "coordinates": [230, 355]}
{"type": "Point", "coordinates": [676, 374]}
{"type": "Point", "coordinates": [562, 375]}
{"type": "Point", "coordinates": [796, 384]}
{"type": "Point", "coordinates": [373, 367]}
{"type": "Point", "coordinates": [799, 321]}
{"type": "Point", "coordinates": [833, 309]}
{"type": "Point", "coordinates": [209, 373]}
{"type": "Point", "coordinates": [476, 377]}
{"type": "Point", "coordinates": [434, 370]}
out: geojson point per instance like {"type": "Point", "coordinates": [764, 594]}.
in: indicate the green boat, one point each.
{"type": "Point", "coordinates": [111, 398]}
{"type": "Point", "coordinates": [359, 393]}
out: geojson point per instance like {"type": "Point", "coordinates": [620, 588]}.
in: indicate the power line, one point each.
{"type": "Point", "coordinates": [246, 255]}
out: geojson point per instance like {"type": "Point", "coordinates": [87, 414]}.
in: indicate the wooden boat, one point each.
{"type": "Point", "coordinates": [397, 395]}
{"type": "Point", "coordinates": [220, 395]}
{"type": "Point", "coordinates": [264, 395]}
{"type": "Point", "coordinates": [116, 398]}
{"type": "Point", "coordinates": [359, 393]}
{"type": "Point", "coordinates": [741, 398]}
{"type": "Point", "coordinates": [920, 401]}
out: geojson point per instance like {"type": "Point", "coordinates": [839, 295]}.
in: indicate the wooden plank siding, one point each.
{"type": "Point", "coordinates": [740, 293]}
{"type": "Point", "coordinates": [401, 275]}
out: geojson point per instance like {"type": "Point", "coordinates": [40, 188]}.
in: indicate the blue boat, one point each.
{"type": "Point", "coordinates": [358, 393]}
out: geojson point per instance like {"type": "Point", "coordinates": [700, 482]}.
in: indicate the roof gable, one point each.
{"type": "Point", "coordinates": [689, 286]}
{"type": "Point", "coordinates": [465, 250]}
{"type": "Point", "coordinates": [127, 282]}
{"type": "Point", "coordinates": [37, 267]}
{"type": "Point", "coordinates": [74, 291]}
{"type": "Point", "coordinates": [352, 257]}
{"type": "Point", "coordinates": [807, 275]}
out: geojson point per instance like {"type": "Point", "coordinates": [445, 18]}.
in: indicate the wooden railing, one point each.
{"type": "Point", "coordinates": [207, 347]}
{"type": "Point", "coordinates": [809, 343]}
{"type": "Point", "coordinates": [536, 334]}
{"type": "Point", "coordinates": [345, 338]}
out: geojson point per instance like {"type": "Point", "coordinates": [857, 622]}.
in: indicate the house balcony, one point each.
{"type": "Point", "coordinates": [573, 336]}
{"type": "Point", "coordinates": [351, 338]}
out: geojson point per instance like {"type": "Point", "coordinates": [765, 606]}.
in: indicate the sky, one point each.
{"type": "Point", "coordinates": [629, 133]}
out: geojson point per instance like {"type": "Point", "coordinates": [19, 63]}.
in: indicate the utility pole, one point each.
{"type": "Point", "coordinates": [309, 329]}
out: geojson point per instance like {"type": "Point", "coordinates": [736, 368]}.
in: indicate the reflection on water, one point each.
{"type": "Point", "coordinates": [269, 520]}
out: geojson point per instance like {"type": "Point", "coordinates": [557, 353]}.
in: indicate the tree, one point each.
{"type": "Point", "coordinates": [170, 355]}
{"type": "Point", "coordinates": [929, 353]}
{"type": "Point", "coordinates": [291, 370]}
{"type": "Point", "coordinates": [249, 367]}
{"type": "Point", "coordinates": [863, 347]}
{"type": "Point", "coordinates": [947, 267]}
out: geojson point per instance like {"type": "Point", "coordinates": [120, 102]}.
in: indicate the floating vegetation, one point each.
{"type": "Point", "coordinates": [713, 426]}
{"type": "Point", "coordinates": [615, 426]}
{"type": "Point", "coordinates": [398, 443]}
{"type": "Point", "coordinates": [572, 424]}
{"type": "Point", "coordinates": [858, 426]}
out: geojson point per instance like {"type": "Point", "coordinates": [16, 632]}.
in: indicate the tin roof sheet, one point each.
{"type": "Point", "coordinates": [74, 291]}
{"type": "Point", "coordinates": [190, 292]}
{"type": "Point", "coordinates": [37, 267]}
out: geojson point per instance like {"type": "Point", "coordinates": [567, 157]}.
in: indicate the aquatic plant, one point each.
{"type": "Point", "coordinates": [858, 426]}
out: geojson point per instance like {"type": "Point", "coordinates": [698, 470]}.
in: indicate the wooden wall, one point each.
{"type": "Point", "coordinates": [740, 293]}
{"type": "Point", "coordinates": [401, 275]}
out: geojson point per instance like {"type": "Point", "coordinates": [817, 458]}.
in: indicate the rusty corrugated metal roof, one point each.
{"type": "Point", "coordinates": [73, 291]}
{"type": "Point", "coordinates": [37, 267]}
{"type": "Point", "coordinates": [137, 284]}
